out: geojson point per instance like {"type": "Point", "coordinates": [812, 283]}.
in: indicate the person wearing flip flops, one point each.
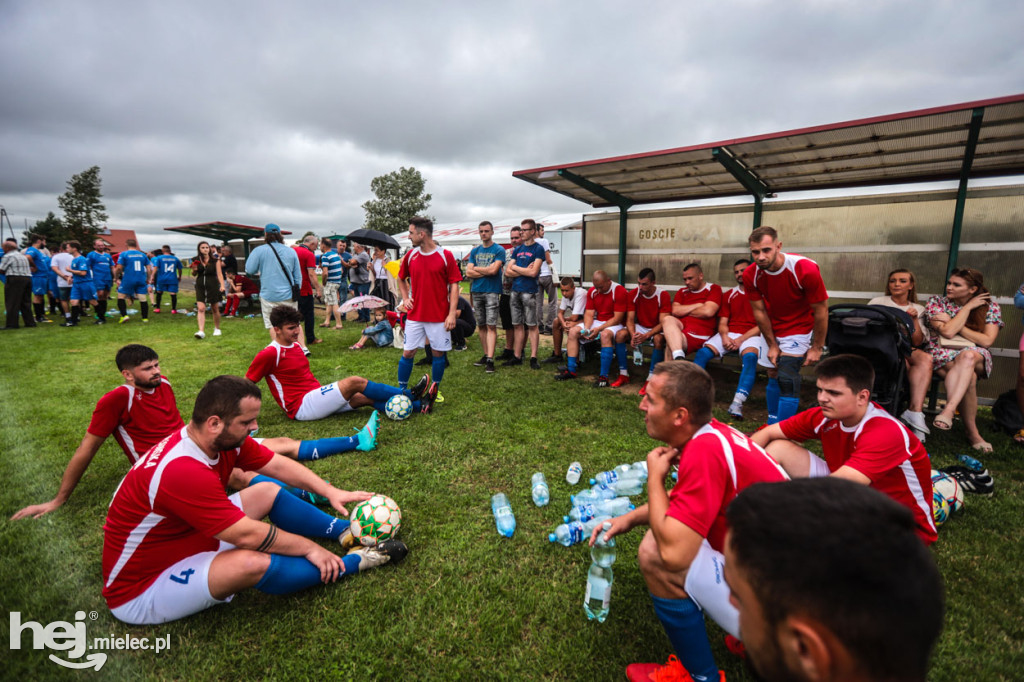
{"type": "Point", "coordinates": [963, 324]}
{"type": "Point", "coordinates": [380, 332]}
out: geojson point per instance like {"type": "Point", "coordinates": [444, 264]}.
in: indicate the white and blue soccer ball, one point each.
{"type": "Point", "coordinates": [398, 407]}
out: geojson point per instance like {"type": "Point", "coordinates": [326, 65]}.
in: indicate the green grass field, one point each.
{"type": "Point", "coordinates": [466, 604]}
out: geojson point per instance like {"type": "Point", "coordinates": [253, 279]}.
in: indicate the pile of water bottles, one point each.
{"type": "Point", "coordinates": [590, 508]}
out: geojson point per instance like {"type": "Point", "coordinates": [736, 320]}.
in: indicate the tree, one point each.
{"type": "Point", "coordinates": [400, 196]}
{"type": "Point", "coordinates": [50, 229]}
{"type": "Point", "coordinates": [84, 211]}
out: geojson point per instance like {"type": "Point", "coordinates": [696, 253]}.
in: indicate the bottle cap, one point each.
{"type": "Point", "coordinates": [566, 519]}
{"type": "Point", "coordinates": [552, 537]}
{"type": "Point", "coordinates": [593, 481]}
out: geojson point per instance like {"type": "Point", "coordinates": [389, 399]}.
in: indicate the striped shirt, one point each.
{"type": "Point", "coordinates": [15, 264]}
{"type": "Point", "coordinates": [331, 262]}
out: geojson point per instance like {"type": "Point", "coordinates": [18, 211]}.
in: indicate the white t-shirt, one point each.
{"type": "Point", "coordinates": [576, 305]}
{"type": "Point", "coordinates": [912, 309]}
{"type": "Point", "coordinates": [545, 269]}
{"type": "Point", "coordinates": [62, 261]}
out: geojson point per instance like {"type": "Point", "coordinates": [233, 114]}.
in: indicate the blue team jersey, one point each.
{"type": "Point", "coordinates": [41, 262]}
{"type": "Point", "coordinates": [134, 265]}
{"type": "Point", "coordinates": [81, 263]}
{"type": "Point", "coordinates": [102, 266]}
{"type": "Point", "coordinates": [482, 256]}
{"type": "Point", "coordinates": [167, 268]}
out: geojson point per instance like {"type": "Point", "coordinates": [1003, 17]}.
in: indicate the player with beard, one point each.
{"type": "Point", "coordinates": [175, 544]}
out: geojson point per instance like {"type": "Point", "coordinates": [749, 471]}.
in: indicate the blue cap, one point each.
{"type": "Point", "coordinates": [271, 227]}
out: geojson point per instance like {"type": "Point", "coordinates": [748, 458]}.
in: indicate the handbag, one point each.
{"type": "Point", "coordinates": [956, 343]}
{"type": "Point", "coordinates": [295, 287]}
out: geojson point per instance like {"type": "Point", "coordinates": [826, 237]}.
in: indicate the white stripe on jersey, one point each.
{"type": "Point", "coordinates": [276, 389]}
{"type": "Point", "coordinates": [132, 543]}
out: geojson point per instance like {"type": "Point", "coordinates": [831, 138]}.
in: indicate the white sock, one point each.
{"type": "Point", "coordinates": [678, 354]}
{"type": "Point", "coordinates": [739, 398]}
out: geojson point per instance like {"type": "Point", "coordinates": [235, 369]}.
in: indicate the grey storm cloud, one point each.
{"type": "Point", "coordinates": [256, 111]}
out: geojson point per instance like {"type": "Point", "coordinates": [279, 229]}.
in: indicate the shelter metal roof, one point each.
{"type": "Point", "coordinates": [926, 145]}
{"type": "Point", "coordinates": [222, 231]}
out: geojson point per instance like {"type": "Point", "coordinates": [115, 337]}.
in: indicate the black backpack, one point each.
{"type": "Point", "coordinates": [1007, 413]}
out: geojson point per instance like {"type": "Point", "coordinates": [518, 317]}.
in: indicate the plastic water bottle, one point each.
{"type": "Point", "coordinates": [574, 532]}
{"type": "Point", "coordinates": [503, 517]}
{"type": "Point", "coordinates": [592, 510]}
{"type": "Point", "coordinates": [539, 490]}
{"type": "Point", "coordinates": [572, 476]}
{"type": "Point", "coordinates": [595, 494]}
{"type": "Point", "coordinates": [971, 463]}
{"type": "Point", "coordinates": [600, 578]}
{"type": "Point", "coordinates": [622, 471]}
{"type": "Point", "coordinates": [638, 357]}
{"type": "Point", "coordinates": [624, 486]}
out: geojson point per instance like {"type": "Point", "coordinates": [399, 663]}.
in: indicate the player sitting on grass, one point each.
{"type": "Point", "coordinates": [175, 544]}
{"type": "Point", "coordinates": [142, 412]}
{"type": "Point", "coordinates": [681, 554]}
{"type": "Point", "coordinates": [861, 441]}
{"type": "Point", "coordinates": [286, 369]}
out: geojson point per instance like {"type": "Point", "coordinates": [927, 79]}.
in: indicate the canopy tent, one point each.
{"type": "Point", "coordinates": [224, 232]}
{"type": "Point", "coordinates": [465, 235]}
{"type": "Point", "coordinates": [954, 142]}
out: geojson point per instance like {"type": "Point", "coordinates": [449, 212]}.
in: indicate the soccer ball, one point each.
{"type": "Point", "coordinates": [950, 489]}
{"type": "Point", "coordinates": [940, 508]}
{"type": "Point", "coordinates": [398, 407]}
{"type": "Point", "coordinates": [375, 520]}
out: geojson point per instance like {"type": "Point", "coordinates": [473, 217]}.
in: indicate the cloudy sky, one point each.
{"type": "Point", "coordinates": [254, 111]}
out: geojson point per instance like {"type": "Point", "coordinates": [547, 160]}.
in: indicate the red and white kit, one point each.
{"type": "Point", "coordinates": [787, 293]}
{"type": "Point", "coordinates": [137, 418]}
{"type": "Point", "coordinates": [698, 330]}
{"type": "Point", "coordinates": [286, 369]}
{"type": "Point", "coordinates": [649, 309]}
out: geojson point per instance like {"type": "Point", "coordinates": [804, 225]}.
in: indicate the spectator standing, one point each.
{"type": "Point", "coordinates": [505, 300]}
{"type": "Point", "coordinates": [381, 287]}
{"type": "Point", "coordinates": [359, 276]}
{"type": "Point", "coordinates": [229, 263]}
{"type": "Point", "coordinates": [545, 285]}
{"type": "Point", "coordinates": [963, 325]}
{"type": "Point", "coordinates": [279, 273]}
{"type": "Point", "coordinates": [209, 284]}
{"type": "Point", "coordinates": [307, 265]}
{"type": "Point", "coordinates": [60, 263]}
{"type": "Point", "coordinates": [18, 288]}
{"type": "Point", "coordinates": [331, 273]}
{"type": "Point", "coordinates": [484, 267]}
{"type": "Point", "coordinates": [524, 268]}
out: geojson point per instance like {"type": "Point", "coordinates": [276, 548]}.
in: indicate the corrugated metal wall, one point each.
{"type": "Point", "coordinates": [856, 241]}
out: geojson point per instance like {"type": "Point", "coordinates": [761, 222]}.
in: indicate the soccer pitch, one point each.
{"type": "Point", "coordinates": [466, 603]}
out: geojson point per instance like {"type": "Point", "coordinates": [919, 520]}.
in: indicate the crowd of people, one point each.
{"type": "Point", "coordinates": [708, 550]}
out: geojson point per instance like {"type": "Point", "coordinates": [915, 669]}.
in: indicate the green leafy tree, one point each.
{"type": "Point", "coordinates": [51, 229]}
{"type": "Point", "coordinates": [400, 196]}
{"type": "Point", "coordinates": [84, 212]}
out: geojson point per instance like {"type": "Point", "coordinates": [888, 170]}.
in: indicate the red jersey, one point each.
{"type": "Point", "coordinates": [286, 369]}
{"type": "Point", "coordinates": [881, 448]}
{"type": "Point", "coordinates": [605, 305]}
{"type": "Point", "coordinates": [736, 308]}
{"type": "Point", "coordinates": [714, 466]}
{"type": "Point", "coordinates": [249, 287]}
{"type": "Point", "coordinates": [169, 507]}
{"type": "Point", "coordinates": [431, 275]}
{"type": "Point", "coordinates": [306, 260]}
{"type": "Point", "coordinates": [787, 293]}
{"type": "Point", "coordinates": [138, 419]}
{"type": "Point", "coordinates": [648, 309]}
{"type": "Point", "coordinates": [702, 327]}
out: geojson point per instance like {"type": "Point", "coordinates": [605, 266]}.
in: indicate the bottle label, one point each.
{"type": "Point", "coordinates": [607, 598]}
{"type": "Point", "coordinates": [606, 595]}
{"type": "Point", "coordinates": [586, 512]}
{"type": "Point", "coordinates": [575, 533]}
{"type": "Point", "coordinates": [611, 477]}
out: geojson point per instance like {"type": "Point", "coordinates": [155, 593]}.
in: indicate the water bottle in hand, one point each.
{"type": "Point", "coordinates": [638, 357]}
{"type": "Point", "coordinates": [539, 489]}
{"type": "Point", "coordinates": [600, 578]}
{"type": "Point", "coordinates": [503, 517]}
{"type": "Point", "coordinates": [569, 534]}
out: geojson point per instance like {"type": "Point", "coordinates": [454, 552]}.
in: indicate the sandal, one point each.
{"type": "Point", "coordinates": [355, 346]}
{"type": "Point", "coordinates": [942, 424]}
{"type": "Point", "coordinates": [1018, 437]}
{"type": "Point", "coordinates": [336, 328]}
{"type": "Point", "coordinates": [982, 447]}
{"type": "Point", "coordinates": [325, 325]}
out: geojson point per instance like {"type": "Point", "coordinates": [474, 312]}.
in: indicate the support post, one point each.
{"type": "Point", "coordinates": [745, 177]}
{"type": "Point", "coordinates": [961, 193]}
{"type": "Point", "coordinates": [611, 197]}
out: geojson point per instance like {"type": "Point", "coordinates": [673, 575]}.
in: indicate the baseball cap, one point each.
{"type": "Point", "coordinates": [271, 227]}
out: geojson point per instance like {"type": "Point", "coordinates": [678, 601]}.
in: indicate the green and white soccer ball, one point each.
{"type": "Point", "coordinates": [375, 520]}
{"type": "Point", "coordinates": [398, 407]}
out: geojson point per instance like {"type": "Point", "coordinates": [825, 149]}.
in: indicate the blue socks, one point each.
{"type": "Point", "coordinates": [295, 516]}
{"type": "Point", "coordinates": [606, 360]}
{"type": "Point", "coordinates": [684, 624]}
{"type": "Point", "coordinates": [703, 356]}
{"type": "Point", "coordinates": [303, 495]}
{"type": "Point", "coordinates": [748, 374]}
{"type": "Point", "coordinates": [771, 396]}
{"type": "Point", "coordinates": [657, 355]}
{"type": "Point", "coordinates": [437, 366]}
{"type": "Point", "coordinates": [404, 371]}
{"type": "Point", "coordinates": [375, 391]}
{"type": "Point", "coordinates": [620, 356]}
{"type": "Point", "coordinates": [315, 449]}
{"type": "Point", "coordinates": [574, 363]}
{"type": "Point", "coordinates": [788, 406]}
{"type": "Point", "coordinates": [288, 574]}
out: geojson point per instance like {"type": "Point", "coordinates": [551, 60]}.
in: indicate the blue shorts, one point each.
{"type": "Point", "coordinates": [102, 284]}
{"type": "Point", "coordinates": [39, 285]}
{"type": "Point", "coordinates": [83, 291]}
{"type": "Point", "coordinates": [167, 287]}
{"type": "Point", "coordinates": [135, 289]}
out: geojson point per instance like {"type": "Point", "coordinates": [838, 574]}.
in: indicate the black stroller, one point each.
{"type": "Point", "coordinates": [882, 336]}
